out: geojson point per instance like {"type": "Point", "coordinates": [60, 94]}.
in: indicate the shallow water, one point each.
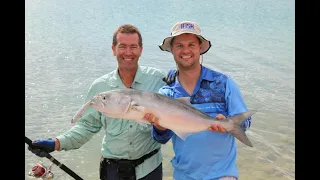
{"type": "Point", "coordinates": [68, 45]}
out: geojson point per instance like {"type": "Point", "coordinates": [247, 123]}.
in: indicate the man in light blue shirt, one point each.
{"type": "Point", "coordinates": [128, 150]}
{"type": "Point", "coordinates": [206, 155]}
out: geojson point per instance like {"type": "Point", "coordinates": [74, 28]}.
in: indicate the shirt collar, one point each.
{"type": "Point", "coordinates": [115, 80]}
{"type": "Point", "coordinates": [205, 75]}
{"type": "Point", "coordinates": [138, 77]}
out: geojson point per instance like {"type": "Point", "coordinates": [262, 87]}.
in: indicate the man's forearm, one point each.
{"type": "Point", "coordinates": [161, 136]}
{"type": "Point", "coordinates": [56, 144]}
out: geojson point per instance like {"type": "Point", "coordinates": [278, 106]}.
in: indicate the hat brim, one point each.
{"type": "Point", "coordinates": [205, 44]}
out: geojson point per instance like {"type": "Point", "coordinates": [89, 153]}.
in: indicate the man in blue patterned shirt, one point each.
{"type": "Point", "coordinates": [206, 155]}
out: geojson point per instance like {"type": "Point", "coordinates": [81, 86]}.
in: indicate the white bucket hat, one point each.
{"type": "Point", "coordinates": [185, 27]}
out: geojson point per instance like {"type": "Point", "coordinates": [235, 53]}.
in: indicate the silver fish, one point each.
{"type": "Point", "coordinates": [177, 114]}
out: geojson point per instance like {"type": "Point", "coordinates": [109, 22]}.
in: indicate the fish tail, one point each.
{"type": "Point", "coordinates": [237, 131]}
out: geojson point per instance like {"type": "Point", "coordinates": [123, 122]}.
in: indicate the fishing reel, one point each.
{"type": "Point", "coordinates": [41, 171]}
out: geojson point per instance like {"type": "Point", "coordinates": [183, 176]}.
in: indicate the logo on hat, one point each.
{"type": "Point", "coordinates": [187, 26]}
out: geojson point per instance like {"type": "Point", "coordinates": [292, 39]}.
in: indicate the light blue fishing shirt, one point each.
{"type": "Point", "coordinates": [124, 139]}
{"type": "Point", "coordinates": [206, 155]}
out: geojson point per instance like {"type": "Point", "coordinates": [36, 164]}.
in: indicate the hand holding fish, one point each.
{"type": "Point", "coordinates": [218, 127]}
{"type": "Point", "coordinates": [153, 120]}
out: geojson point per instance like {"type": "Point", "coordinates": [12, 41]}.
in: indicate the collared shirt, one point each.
{"type": "Point", "coordinates": [206, 155]}
{"type": "Point", "coordinates": [124, 139]}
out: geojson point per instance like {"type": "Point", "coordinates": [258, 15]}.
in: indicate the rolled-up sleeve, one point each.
{"type": "Point", "coordinates": [161, 136]}
{"type": "Point", "coordinates": [84, 129]}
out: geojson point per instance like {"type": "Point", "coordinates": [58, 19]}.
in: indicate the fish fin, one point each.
{"type": "Point", "coordinates": [80, 112]}
{"type": "Point", "coordinates": [239, 118]}
{"type": "Point", "coordinates": [237, 131]}
{"type": "Point", "coordinates": [135, 106]}
{"type": "Point", "coordinates": [183, 135]}
{"type": "Point", "coordinates": [184, 100]}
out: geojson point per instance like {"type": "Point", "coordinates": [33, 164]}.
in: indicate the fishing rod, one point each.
{"type": "Point", "coordinates": [56, 162]}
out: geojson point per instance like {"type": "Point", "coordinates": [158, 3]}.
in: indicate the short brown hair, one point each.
{"type": "Point", "coordinates": [127, 29]}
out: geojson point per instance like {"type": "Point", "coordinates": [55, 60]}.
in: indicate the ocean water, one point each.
{"type": "Point", "coordinates": [68, 45]}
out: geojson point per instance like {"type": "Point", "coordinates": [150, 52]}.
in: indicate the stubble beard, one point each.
{"type": "Point", "coordinates": [186, 67]}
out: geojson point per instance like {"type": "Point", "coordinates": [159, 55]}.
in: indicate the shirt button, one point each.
{"type": "Point", "coordinates": [130, 126]}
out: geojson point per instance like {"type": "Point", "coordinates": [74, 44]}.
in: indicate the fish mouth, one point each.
{"type": "Point", "coordinates": [97, 101]}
